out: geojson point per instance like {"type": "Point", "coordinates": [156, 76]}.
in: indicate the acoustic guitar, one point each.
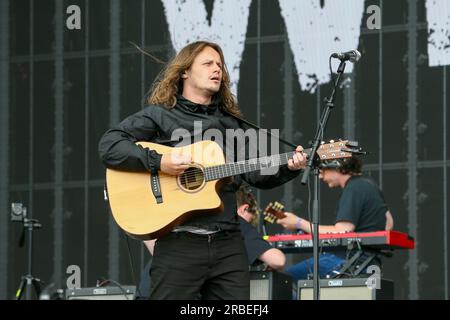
{"type": "Point", "coordinates": [148, 205]}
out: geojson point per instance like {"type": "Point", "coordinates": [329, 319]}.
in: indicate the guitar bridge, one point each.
{"type": "Point", "coordinates": [156, 186]}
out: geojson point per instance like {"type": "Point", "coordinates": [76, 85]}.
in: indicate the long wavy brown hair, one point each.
{"type": "Point", "coordinates": [169, 82]}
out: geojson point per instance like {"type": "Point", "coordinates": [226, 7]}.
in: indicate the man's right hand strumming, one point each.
{"type": "Point", "coordinates": [175, 163]}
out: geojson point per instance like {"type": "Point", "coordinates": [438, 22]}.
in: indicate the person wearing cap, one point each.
{"type": "Point", "coordinates": [361, 208]}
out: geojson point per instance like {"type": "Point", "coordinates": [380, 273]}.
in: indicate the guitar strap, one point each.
{"type": "Point", "coordinates": [254, 126]}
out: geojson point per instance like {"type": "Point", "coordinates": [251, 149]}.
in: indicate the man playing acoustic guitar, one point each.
{"type": "Point", "coordinates": [204, 253]}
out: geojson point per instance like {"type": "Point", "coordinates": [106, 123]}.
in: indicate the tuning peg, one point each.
{"type": "Point", "coordinates": [352, 144]}
{"type": "Point", "coordinates": [356, 151]}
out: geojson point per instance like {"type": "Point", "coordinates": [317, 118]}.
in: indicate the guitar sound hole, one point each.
{"type": "Point", "coordinates": [192, 178]}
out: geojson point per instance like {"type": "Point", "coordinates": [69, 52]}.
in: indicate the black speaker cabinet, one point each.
{"type": "Point", "coordinates": [347, 289]}
{"type": "Point", "coordinates": [102, 293]}
{"type": "Point", "coordinates": [270, 285]}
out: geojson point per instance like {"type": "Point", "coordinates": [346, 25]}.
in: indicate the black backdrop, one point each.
{"type": "Point", "coordinates": [63, 94]}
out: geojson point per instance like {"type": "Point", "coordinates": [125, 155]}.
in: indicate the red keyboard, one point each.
{"type": "Point", "coordinates": [378, 240]}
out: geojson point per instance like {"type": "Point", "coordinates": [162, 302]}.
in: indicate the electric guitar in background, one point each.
{"type": "Point", "coordinates": [273, 212]}
{"type": "Point", "coordinates": [148, 205]}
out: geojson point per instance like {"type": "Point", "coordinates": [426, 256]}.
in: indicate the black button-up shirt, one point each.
{"type": "Point", "coordinates": [118, 150]}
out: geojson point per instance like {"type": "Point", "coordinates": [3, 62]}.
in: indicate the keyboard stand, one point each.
{"type": "Point", "coordinates": [352, 267]}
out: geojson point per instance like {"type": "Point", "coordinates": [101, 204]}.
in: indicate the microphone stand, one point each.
{"type": "Point", "coordinates": [313, 164]}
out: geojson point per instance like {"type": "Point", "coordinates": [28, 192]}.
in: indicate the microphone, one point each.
{"type": "Point", "coordinates": [352, 56]}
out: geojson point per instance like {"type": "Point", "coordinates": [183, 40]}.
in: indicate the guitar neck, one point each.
{"type": "Point", "coordinates": [240, 167]}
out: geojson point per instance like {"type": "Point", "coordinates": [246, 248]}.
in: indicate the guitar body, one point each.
{"type": "Point", "coordinates": [135, 208]}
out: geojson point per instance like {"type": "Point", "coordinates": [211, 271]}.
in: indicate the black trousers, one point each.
{"type": "Point", "coordinates": [209, 267]}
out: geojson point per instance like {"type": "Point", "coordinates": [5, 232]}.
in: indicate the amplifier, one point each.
{"type": "Point", "coordinates": [347, 289]}
{"type": "Point", "coordinates": [102, 293]}
{"type": "Point", "coordinates": [270, 285]}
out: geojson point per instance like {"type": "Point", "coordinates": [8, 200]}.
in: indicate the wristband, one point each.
{"type": "Point", "coordinates": [299, 221]}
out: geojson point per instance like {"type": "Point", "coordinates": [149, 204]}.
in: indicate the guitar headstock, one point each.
{"type": "Point", "coordinates": [273, 212]}
{"type": "Point", "coordinates": [338, 149]}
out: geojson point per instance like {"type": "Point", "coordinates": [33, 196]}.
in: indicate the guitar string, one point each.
{"type": "Point", "coordinates": [276, 160]}
{"type": "Point", "coordinates": [229, 169]}
{"type": "Point", "coordinates": [235, 167]}
{"type": "Point", "coordinates": [215, 172]}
